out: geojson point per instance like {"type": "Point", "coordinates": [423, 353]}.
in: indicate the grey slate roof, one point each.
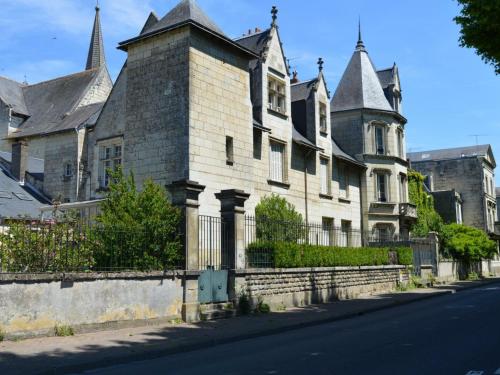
{"type": "Point", "coordinates": [52, 103]}
{"type": "Point", "coordinates": [360, 86]}
{"type": "Point", "coordinates": [255, 42]}
{"type": "Point", "coordinates": [386, 77]}
{"type": "Point", "coordinates": [150, 22]}
{"type": "Point", "coordinates": [35, 165]}
{"type": "Point", "coordinates": [339, 153]}
{"type": "Point", "coordinates": [17, 201]}
{"type": "Point", "coordinates": [184, 11]}
{"type": "Point", "coordinates": [302, 90]}
{"type": "Point", "coordinates": [96, 56]}
{"type": "Point", "coordinates": [303, 141]}
{"type": "Point", "coordinates": [11, 93]}
{"type": "Point", "coordinates": [451, 153]}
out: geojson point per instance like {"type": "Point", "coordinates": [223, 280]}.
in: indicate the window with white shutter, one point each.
{"type": "Point", "coordinates": [277, 165]}
{"type": "Point", "coordinates": [325, 176]}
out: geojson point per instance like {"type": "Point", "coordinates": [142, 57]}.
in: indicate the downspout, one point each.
{"type": "Point", "coordinates": [306, 158]}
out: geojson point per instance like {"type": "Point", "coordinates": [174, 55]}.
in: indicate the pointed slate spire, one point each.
{"type": "Point", "coordinates": [96, 56]}
{"type": "Point", "coordinates": [360, 85]}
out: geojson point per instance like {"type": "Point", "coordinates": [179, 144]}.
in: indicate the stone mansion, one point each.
{"type": "Point", "coordinates": [192, 104]}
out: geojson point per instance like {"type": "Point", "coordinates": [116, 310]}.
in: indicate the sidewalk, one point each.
{"type": "Point", "coordinates": [55, 355]}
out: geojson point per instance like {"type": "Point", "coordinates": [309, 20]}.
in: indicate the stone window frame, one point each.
{"type": "Point", "coordinates": [328, 193]}
{"type": "Point", "coordinates": [387, 173]}
{"type": "Point", "coordinates": [403, 187]}
{"type": "Point", "coordinates": [68, 170]}
{"type": "Point", "coordinates": [116, 158]}
{"type": "Point", "coordinates": [400, 139]}
{"type": "Point", "coordinates": [274, 95]}
{"type": "Point", "coordinates": [323, 119]}
{"type": "Point", "coordinates": [229, 150]}
{"type": "Point", "coordinates": [284, 183]}
{"type": "Point", "coordinates": [385, 127]}
{"type": "Point", "coordinates": [389, 227]}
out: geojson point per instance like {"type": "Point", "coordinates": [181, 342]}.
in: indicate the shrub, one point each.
{"type": "Point", "coordinates": [466, 243]}
{"type": "Point", "coordinates": [140, 228]}
{"type": "Point", "coordinates": [405, 255]}
{"type": "Point", "coordinates": [63, 331]}
{"type": "Point", "coordinates": [244, 304]}
{"type": "Point", "coordinates": [293, 255]}
{"type": "Point", "coordinates": [277, 220]}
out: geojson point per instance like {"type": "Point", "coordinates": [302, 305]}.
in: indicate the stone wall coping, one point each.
{"type": "Point", "coordinates": [252, 271]}
{"type": "Point", "coordinates": [93, 276]}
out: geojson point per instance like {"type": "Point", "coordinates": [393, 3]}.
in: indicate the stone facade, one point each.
{"type": "Point", "coordinates": [282, 288]}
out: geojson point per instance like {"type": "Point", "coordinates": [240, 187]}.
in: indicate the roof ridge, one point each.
{"type": "Point", "coordinates": [451, 148]}
{"type": "Point", "coordinates": [304, 82]}
{"type": "Point", "coordinates": [13, 80]}
{"type": "Point", "coordinates": [251, 35]}
{"type": "Point", "coordinates": [66, 76]}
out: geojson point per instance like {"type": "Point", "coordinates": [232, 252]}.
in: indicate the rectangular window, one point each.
{"type": "Point", "coordinates": [328, 231]}
{"type": "Point", "coordinates": [325, 176]}
{"type": "Point", "coordinates": [400, 144]}
{"type": "Point", "coordinates": [343, 181]}
{"type": "Point", "coordinates": [459, 212]}
{"type": "Point", "coordinates": [110, 158]}
{"type": "Point", "coordinates": [229, 151]}
{"type": "Point", "coordinates": [382, 187]}
{"type": "Point", "coordinates": [345, 233]}
{"type": "Point", "coordinates": [277, 167]}
{"type": "Point", "coordinates": [381, 233]}
{"type": "Point", "coordinates": [402, 188]}
{"type": "Point", "coordinates": [68, 170]}
{"type": "Point", "coordinates": [276, 95]}
{"type": "Point", "coordinates": [323, 127]}
{"type": "Point", "coordinates": [379, 140]}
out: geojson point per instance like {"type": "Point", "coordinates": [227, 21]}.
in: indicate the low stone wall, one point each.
{"type": "Point", "coordinates": [33, 305]}
{"type": "Point", "coordinates": [447, 270]}
{"type": "Point", "coordinates": [299, 287]}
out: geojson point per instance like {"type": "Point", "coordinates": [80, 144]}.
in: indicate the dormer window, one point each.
{"type": "Point", "coordinates": [276, 95]}
{"type": "Point", "coordinates": [323, 128]}
{"type": "Point", "coordinates": [379, 140]}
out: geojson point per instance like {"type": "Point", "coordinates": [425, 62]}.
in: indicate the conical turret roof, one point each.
{"type": "Point", "coordinates": [360, 86]}
{"type": "Point", "coordinates": [96, 56]}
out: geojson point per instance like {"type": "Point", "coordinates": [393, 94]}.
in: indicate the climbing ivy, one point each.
{"type": "Point", "coordinates": [428, 219]}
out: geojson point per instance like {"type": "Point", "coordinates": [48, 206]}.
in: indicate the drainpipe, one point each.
{"type": "Point", "coordinates": [306, 157]}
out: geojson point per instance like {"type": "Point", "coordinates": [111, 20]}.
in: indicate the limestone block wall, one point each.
{"type": "Point", "coordinates": [156, 136]}
{"type": "Point", "coordinates": [304, 286]}
{"type": "Point", "coordinates": [99, 90]}
{"type": "Point", "coordinates": [34, 304]}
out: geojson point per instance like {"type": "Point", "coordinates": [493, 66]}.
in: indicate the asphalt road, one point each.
{"type": "Point", "coordinates": [452, 334]}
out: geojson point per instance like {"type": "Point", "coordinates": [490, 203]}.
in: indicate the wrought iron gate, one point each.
{"type": "Point", "coordinates": [213, 260]}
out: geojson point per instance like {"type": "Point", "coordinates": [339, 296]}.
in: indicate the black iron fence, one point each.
{"type": "Point", "coordinates": [70, 247]}
{"type": "Point", "coordinates": [213, 243]}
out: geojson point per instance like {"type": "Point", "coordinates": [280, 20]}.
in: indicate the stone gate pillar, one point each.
{"type": "Point", "coordinates": [233, 214]}
{"type": "Point", "coordinates": [184, 194]}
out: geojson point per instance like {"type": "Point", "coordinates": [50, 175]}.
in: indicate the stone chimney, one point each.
{"type": "Point", "coordinates": [19, 161]}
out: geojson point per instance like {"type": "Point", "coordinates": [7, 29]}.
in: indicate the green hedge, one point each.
{"type": "Point", "coordinates": [293, 255]}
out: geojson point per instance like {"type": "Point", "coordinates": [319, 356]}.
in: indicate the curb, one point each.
{"type": "Point", "coordinates": [158, 353]}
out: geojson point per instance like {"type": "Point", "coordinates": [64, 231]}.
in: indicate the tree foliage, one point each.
{"type": "Point", "coordinates": [466, 243]}
{"type": "Point", "coordinates": [480, 29]}
{"type": "Point", "coordinates": [278, 220]}
{"type": "Point", "coordinates": [428, 219]}
{"type": "Point", "coordinates": [138, 228]}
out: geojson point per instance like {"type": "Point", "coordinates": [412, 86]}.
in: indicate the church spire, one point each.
{"type": "Point", "coordinates": [360, 45]}
{"type": "Point", "coordinates": [96, 56]}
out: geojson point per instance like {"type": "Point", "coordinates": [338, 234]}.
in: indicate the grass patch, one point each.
{"type": "Point", "coordinates": [63, 331]}
{"type": "Point", "coordinates": [2, 335]}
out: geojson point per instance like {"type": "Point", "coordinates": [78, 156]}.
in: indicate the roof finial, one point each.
{"type": "Point", "coordinates": [320, 64]}
{"type": "Point", "coordinates": [360, 46]}
{"type": "Point", "coordinates": [274, 12]}
{"type": "Point", "coordinates": [97, 6]}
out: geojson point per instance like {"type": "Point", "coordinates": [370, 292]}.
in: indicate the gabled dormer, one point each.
{"type": "Point", "coordinates": [311, 107]}
{"type": "Point", "coordinates": [269, 74]}
{"type": "Point", "coordinates": [389, 79]}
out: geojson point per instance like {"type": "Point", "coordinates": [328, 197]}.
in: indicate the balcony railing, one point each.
{"type": "Point", "coordinates": [408, 210]}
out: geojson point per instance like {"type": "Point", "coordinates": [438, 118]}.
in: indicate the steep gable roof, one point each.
{"type": "Point", "coordinates": [11, 93]}
{"type": "Point", "coordinates": [360, 86]}
{"type": "Point", "coordinates": [53, 104]}
{"type": "Point", "coordinates": [452, 153]}
{"type": "Point", "coordinates": [302, 90]}
{"type": "Point", "coordinates": [255, 42]}
{"type": "Point", "coordinates": [150, 22]}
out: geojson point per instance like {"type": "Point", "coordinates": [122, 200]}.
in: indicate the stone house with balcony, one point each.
{"type": "Point", "coordinates": [465, 177]}
{"type": "Point", "coordinates": [367, 123]}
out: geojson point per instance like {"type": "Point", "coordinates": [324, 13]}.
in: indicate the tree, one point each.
{"type": "Point", "coordinates": [278, 220]}
{"type": "Point", "coordinates": [466, 243]}
{"type": "Point", "coordinates": [428, 219]}
{"type": "Point", "coordinates": [480, 29]}
{"type": "Point", "coordinates": [137, 229]}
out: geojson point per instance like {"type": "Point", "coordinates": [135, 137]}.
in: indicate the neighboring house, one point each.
{"type": "Point", "coordinates": [497, 193]}
{"type": "Point", "coordinates": [448, 203]}
{"type": "Point", "coordinates": [49, 120]}
{"type": "Point", "coordinates": [468, 171]}
{"type": "Point", "coordinates": [191, 103]}
{"type": "Point", "coordinates": [367, 123]}
{"type": "Point", "coordinates": [19, 201]}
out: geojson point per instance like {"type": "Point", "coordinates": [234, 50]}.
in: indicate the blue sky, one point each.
{"type": "Point", "coordinates": [448, 92]}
